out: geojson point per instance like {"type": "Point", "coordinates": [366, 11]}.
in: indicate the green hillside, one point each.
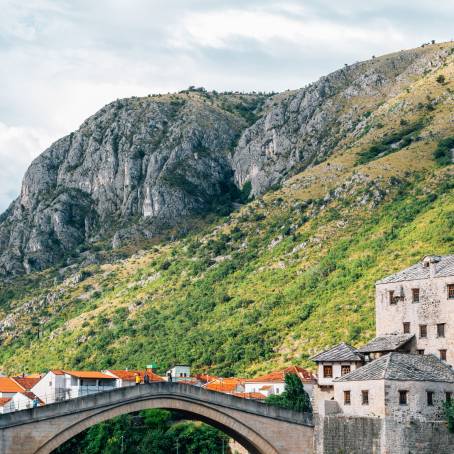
{"type": "Point", "coordinates": [284, 276]}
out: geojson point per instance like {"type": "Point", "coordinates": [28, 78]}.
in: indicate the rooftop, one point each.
{"type": "Point", "coordinates": [130, 375]}
{"type": "Point", "coordinates": [8, 385]}
{"type": "Point", "coordinates": [402, 367]}
{"type": "Point", "coordinates": [279, 376]}
{"type": "Point", "coordinates": [88, 374]}
{"type": "Point", "coordinates": [4, 401]}
{"type": "Point", "coordinates": [27, 382]}
{"type": "Point", "coordinates": [444, 266]}
{"type": "Point", "coordinates": [340, 352]}
{"type": "Point", "coordinates": [388, 343]}
{"type": "Point", "coordinates": [254, 395]}
{"type": "Point", "coordinates": [225, 385]}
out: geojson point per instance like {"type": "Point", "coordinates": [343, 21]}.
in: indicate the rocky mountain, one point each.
{"type": "Point", "coordinates": [279, 278]}
{"type": "Point", "coordinates": [141, 165]}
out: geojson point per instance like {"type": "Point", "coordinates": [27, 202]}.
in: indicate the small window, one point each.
{"type": "Point", "coordinates": [392, 300]}
{"type": "Point", "coordinates": [442, 355]}
{"type": "Point", "coordinates": [328, 371]}
{"type": "Point", "coordinates": [415, 294]}
{"type": "Point", "coordinates": [403, 397]}
{"type": "Point", "coordinates": [451, 291]}
{"type": "Point", "coordinates": [406, 327]}
{"type": "Point", "coordinates": [423, 331]}
{"type": "Point", "coordinates": [347, 398]}
{"type": "Point", "coordinates": [345, 370]}
{"type": "Point", "coordinates": [430, 398]}
{"type": "Point", "coordinates": [420, 352]}
{"type": "Point", "coordinates": [365, 397]}
{"type": "Point", "coordinates": [448, 396]}
{"type": "Point", "coordinates": [440, 330]}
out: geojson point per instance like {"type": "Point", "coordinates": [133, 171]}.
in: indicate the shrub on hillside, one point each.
{"type": "Point", "coordinates": [444, 152]}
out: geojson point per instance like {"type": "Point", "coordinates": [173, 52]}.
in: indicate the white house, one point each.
{"type": "Point", "coordinates": [274, 383]}
{"type": "Point", "coordinates": [128, 377]}
{"type": "Point", "coordinates": [9, 387]}
{"type": "Point", "coordinates": [58, 385]}
{"type": "Point", "coordinates": [179, 372]}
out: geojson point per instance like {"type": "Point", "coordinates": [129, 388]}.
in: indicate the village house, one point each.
{"type": "Point", "coordinates": [419, 301]}
{"type": "Point", "coordinates": [274, 383]}
{"type": "Point", "coordinates": [128, 377]}
{"type": "Point", "coordinates": [59, 385]}
{"type": "Point", "coordinates": [178, 373]}
{"type": "Point", "coordinates": [230, 385]}
{"type": "Point", "coordinates": [401, 385]}
{"type": "Point", "coordinates": [14, 395]}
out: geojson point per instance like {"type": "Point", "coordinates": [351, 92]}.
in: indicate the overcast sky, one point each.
{"type": "Point", "coordinates": [61, 60]}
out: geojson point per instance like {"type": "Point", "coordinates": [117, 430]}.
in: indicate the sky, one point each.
{"type": "Point", "coordinates": [62, 60]}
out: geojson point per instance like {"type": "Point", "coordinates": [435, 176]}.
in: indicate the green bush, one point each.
{"type": "Point", "coordinates": [444, 152]}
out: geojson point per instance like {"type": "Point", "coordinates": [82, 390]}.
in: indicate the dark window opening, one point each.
{"type": "Point", "coordinates": [451, 291]}
{"type": "Point", "coordinates": [422, 330]}
{"type": "Point", "coordinates": [448, 396]}
{"type": "Point", "coordinates": [442, 355]}
{"type": "Point", "coordinates": [392, 300]}
{"type": "Point", "coordinates": [365, 397]}
{"type": "Point", "coordinates": [420, 351]}
{"type": "Point", "coordinates": [406, 327]}
{"type": "Point", "coordinates": [347, 398]}
{"type": "Point", "coordinates": [430, 398]}
{"type": "Point", "coordinates": [440, 330]}
{"type": "Point", "coordinates": [403, 397]}
{"type": "Point", "coordinates": [415, 294]}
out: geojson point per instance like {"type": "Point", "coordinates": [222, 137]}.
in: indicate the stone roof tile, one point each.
{"type": "Point", "coordinates": [387, 343]}
{"type": "Point", "coordinates": [340, 352]}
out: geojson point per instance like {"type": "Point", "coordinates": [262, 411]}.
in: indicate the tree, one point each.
{"type": "Point", "coordinates": [294, 397]}
{"type": "Point", "coordinates": [441, 79]}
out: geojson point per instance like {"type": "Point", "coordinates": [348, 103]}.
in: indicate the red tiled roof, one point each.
{"type": "Point", "coordinates": [206, 378]}
{"type": "Point", "coordinates": [4, 401]}
{"type": "Point", "coordinates": [266, 387]}
{"type": "Point", "coordinates": [27, 382]}
{"type": "Point", "coordinates": [57, 372]}
{"type": "Point", "coordinates": [223, 385]}
{"type": "Point", "coordinates": [87, 374]}
{"type": "Point", "coordinates": [32, 396]}
{"type": "Point", "coordinates": [130, 375]}
{"type": "Point", "coordinates": [279, 376]}
{"type": "Point", "coordinates": [257, 396]}
{"type": "Point", "coordinates": [8, 385]}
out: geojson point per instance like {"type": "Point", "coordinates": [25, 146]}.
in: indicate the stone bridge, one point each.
{"type": "Point", "coordinates": [260, 428]}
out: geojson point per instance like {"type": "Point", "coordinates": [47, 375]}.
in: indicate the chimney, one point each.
{"type": "Point", "coordinates": [431, 261]}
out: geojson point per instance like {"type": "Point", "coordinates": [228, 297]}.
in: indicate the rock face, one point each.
{"type": "Point", "coordinates": [302, 127]}
{"type": "Point", "coordinates": [142, 164]}
{"type": "Point", "coordinates": [150, 160]}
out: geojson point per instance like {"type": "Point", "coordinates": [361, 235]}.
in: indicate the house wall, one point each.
{"type": "Point", "coordinates": [434, 307]}
{"type": "Point", "coordinates": [376, 406]}
{"type": "Point", "coordinates": [50, 388]}
{"type": "Point", "coordinates": [337, 367]}
{"type": "Point", "coordinates": [180, 372]}
{"type": "Point", "coordinates": [276, 387]}
{"type": "Point", "coordinates": [21, 402]}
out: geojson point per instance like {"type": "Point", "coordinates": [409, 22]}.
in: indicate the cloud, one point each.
{"type": "Point", "coordinates": [64, 59]}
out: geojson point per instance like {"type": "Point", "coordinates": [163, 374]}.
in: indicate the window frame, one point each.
{"type": "Point", "coordinates": [415, 291]}
{"type": "Point", "coordinates": [345, 366]}
{"type": "Point", "coordinates": [430, 398]}
{"type": "Point", "coordinates": [443, 326]}
{"type": "Point", "coordinates": [347, 393]}
{"type": "Point", "coordinates": [365, 397]}
{"type": "Point", "coordinates": [325, 367]}
{"type": "Point", "coordinates": [443, 354]}
{"type": "Point", "coordinates": [450, 291]}
{"type": "Point", "coordinates": [392, 301]}
{"type": "Point", "coordinates": [403, 393]}
{"type": "Point", "coordinates": [421, 329]}
{"type": "Point", "coordinates": [420, 351]}
{"type": "Point", "coordinates": [448, 396]}
{"type": "Point", "coordinates": [406, 327]}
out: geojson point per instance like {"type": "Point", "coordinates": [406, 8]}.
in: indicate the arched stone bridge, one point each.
{"type": "Point", "coordinates": [260, 428]}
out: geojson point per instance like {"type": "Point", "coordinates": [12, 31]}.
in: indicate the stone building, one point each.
{"type": "Point", "coordinates": [401, 385]}
{"type": "Point", "coordinates": [381, 345]}
{"type": "Point", "coordinates": [420, 301]}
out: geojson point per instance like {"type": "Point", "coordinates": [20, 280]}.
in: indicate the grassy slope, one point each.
{"type": "Point", "coordinates": [283, 277]}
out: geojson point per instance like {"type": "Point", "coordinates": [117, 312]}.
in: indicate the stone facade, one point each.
{"type": "Point", "coordinates": [431, 308]}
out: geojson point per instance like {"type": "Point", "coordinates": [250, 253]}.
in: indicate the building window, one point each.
{"type": "Point", "coordinates": [406, 327]}
{"type": "Point", "coordinates": [403, 397]}
{"type": "Point", "coordinates": [448, 396]}
{"type": "Point", "coordinates": [440, 330]}
{"type": "Point", "coordinates": [347, 398]}
{"type": "Point", "coordinates": [442, 355]}
{"type": "Point", "coordinates": [430, 398]}
{"type": "Point", "coordinates": [345, 370]}
{"type": "Point", "coordinates": [365, 397]}
{"type": "Point", "coordinates": [422, 330]}
{"type": "Point", "coordinates": [420, 352]}
{"type": "Point", "coordinates": [415, 294]}
{"type": "Point", "coordinates": [328, 371]}
{"type": "Point", "coordinates": [451, 291]}
{"type": "Point", "coordinates": [392, 300]}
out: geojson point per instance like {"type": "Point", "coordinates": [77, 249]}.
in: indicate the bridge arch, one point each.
{"type": "Point", "coordinates": [215, 417]}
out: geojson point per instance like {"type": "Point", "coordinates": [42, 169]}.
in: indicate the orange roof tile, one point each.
{"type": "Point", "coordinates": [27, 382]}
{"type": "Point", "coordinates": [266, 387]}
{"type": "Point", "coordinates": [223, 385]}
{"type": "Point", "coordinates": [87, 374]}
{"type": "Point", "coordinates": [250, 395]}
{"type": "Point", "coordinates": [279, 376]}
{"type": "Point", "coordinates": [8, 385]}
{"type": "Point", "coordinates": [130, 375]}
{"type": "Point", "coordinates": [57, 372]}
{"type": "Point", "coordinates": [4, 401]}
{"type": "Point", "coordinates": [32, 396]}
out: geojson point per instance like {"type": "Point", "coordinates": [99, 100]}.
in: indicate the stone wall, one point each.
{"type": "Point", "coordinates": [360, 435]}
